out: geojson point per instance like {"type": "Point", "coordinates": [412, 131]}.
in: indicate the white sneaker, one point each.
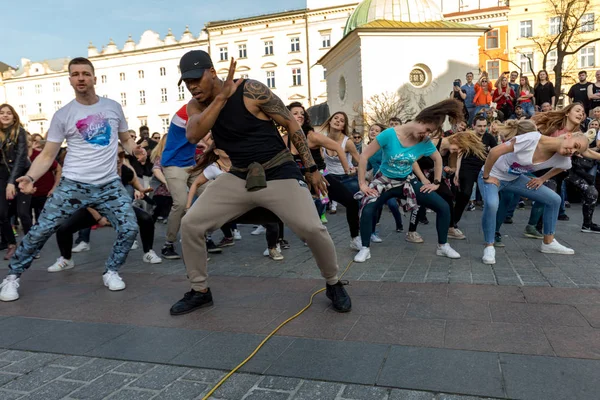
{"type": "Point", "coordinates": [258, 231]}
{"type": "Point", "coordinates": [275, 254]}
{"type": "Point", "coordinates": [555, 248]}
{"type": "Point", "coordinates": [455, 233]}
{"type": "Point", "coordinates": [9, 288]}
{"type": "Point", "coordinates": [446, 251]}
{"type": "Point", "coordinates": [113, 281]}
{"type": "Point", "coordinates": [81, 247]}
{"type": "Point", "coordinates": [375, 238]}
{"type": "Point", "coordinates": [363, 255]}
{"type": "Point", "coordinates": [61, 265]}
{"type": "Point", "coordinates": [237, 235]}
{"type": "Point", "coordinates": [266, 252]}
{"type": "Point", "coordinates": [135, 245]}
{"type": "Point", "coordinates": [152, 258]}
{"type": "Point", "coordinates": [333, 207]}
{"type": "Point", "coordinates": [489, 255]}
{"type": "Point", "coordinates": [356, 243]}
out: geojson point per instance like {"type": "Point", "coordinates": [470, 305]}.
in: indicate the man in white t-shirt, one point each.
{"type": "Point", "coordinates": [92, 127]}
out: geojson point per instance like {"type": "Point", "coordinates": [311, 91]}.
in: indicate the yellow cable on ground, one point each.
{"type": "Point", "coordinates": [233, 371]}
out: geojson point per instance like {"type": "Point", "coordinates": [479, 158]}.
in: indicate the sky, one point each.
{"type": "Point", "coordinates": [45, 29]}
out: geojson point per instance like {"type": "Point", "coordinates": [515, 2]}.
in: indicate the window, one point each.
{"type": "Point", "coordinates": [21, 90]}
{"type": "Point", "coordinates": [526, 62]}
{"type": "Point", "coordinates": [551, 60]}
{"type": "Point", "coordinates": [163, 95]}
{"type": "Point", "coordinates": [268, 48]}
{"type": "Point", "coordinates": [244, 76]}
{"type": "Point", "coordinates": [142, 97]}
{"type": "Point", "coordinates": [491, 39]}
{"type": "Point", "coordinates": [326, 40]}
{"type": "Point", "coordinates": [56, 87]}
{"type": "Point", "coordinates": [243, 53]}
{"type": "Point", "coordinates": [23, 110]}
{"type": "Point", "coordinates": [526, 28]}
{"type": "Point", "coordinates": [38, 89]}
{"type": "Point", "coordinates": [57, 105]}
{"type": "Point", "coordinates": [165, 124]}
{"type": "Point", "coordinates": [181, 93]}
{"type": "Point", "coordinates": [295, 44]}
{"type": "Point", "coordinates": [163, 71]}
{"type": "Point", "coordinates": [587, 22]}
{"type": "Point", "coordinates": [140, 75]}
{"type": "Point", "coordinates": [555, 25]}
{"type": "Point", "coordinates": [587, 57]}
{"type": "Point", "coordinates": [143, 121]}
{"type": "Point", "coordinates": [493, 69]}
{"type": "Point", "coordinates": [122, 75]}
{"type": "Point", "coordinates": [324, 74]}
{"type": "Point", "coordinates": [123, 99]}
{"type": "Point", "coordinates": [39, 106]}
{"type": "Point", "coordinates": [223, 54]}
{"type": "Point", "coordinates": [271, 79]}
{"type": "Point", "coordinates": [296, 77]}
{"type": "Point", "coordinates": [103, 78]}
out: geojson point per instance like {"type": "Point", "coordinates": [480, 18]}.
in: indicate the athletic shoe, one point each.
{"type": "Point", "coordinates": [591, 228]}
{"type": "Point", "coordinates": [81, 247]}
{"type": "Point", "coordinates": [521, 205]}
{"type": "Point", "coordinates": [489, 255]}
{"type": "Point", "coordinates": [356, 243]}
{"type": "Point", "coordinates": [399, 229]}
{"type": "Point", "coordinates": [471, 207]}
{"type": "Point", "coordinates": [375, 238]}
{"type": "Point", "coordinates": [324, 219]}
{"type": "Point", "coordinates": [446, 251]}
{"type": "Point", "coordinates": [275, 254]}
{"type": "Point", "coordinates": [414, 237]}
{"type": "Point", "coordinates": [339, 297]}
{"type": "Point", "coordinates": [211, 247]}
{"type": "Point", "coordinates": [498, 240]}
{"type": "Point", "coordinates": [226, 242]}
{"type": "Point", "coordinates": [113, 281]}
{"type": "Point", "coordinates": [191, 301]}
{"type": "Point", "coordinates": [266, 253]}
{"type": "Point", "coordinates": [9, 288]}
{"type": "Point", "coordinates": [61, 264]}
{"type": "Point", "coordinates": [508, 220]}
{"type": "Point", "coordinates": [455, 233]}
{"type": "Point", "coordinates": [555, 248]}
{"type": "Point", "coordinates": [363, 255]}
{"type": "Point", "coordinates": [567, 204]}
{"type": "Point", "coordinates": [333, 208]}
{"type": "Point", "coordinates": [152, 258]}
{"type": "Point", "coordinates": [258, 231]}
{"type": "Point", "coordinates": [532, 232]}
{"type": "Point", "coordinates": [37, 255]}
{"type": "Point", "coordinates": [563, 217]}
{"type": "Point", "coordinates": [284, 244]}
{"type": "Point", "coordinates": [237, 235]}
{"type": "Point", "coordinates": [424, 221]}
{"type": "Point", "coordinates": [168, 252]}
{"type": "Point", "coordinates": [135, 245]}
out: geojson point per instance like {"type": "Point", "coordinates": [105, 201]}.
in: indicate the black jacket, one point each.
{"type": "Point", "coordinates": [14, 154]}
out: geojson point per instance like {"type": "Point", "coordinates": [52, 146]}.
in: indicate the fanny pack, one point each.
{"type": "Point", "coordinates": [256, 178]}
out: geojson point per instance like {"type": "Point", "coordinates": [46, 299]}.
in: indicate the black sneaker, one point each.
{"type": "Point", "coordinates": [400, 228]}
{"type": "Point", "coordinates": [508, 220]}
{"type": "Point", "coordinates": [471, 207]}
{"type": "Point", "coordinates": [225, 242]}
{"type": "Point", "coordinates": [498, 240]}
{"type": "Point", "coordinates": [567, 204]}
{"type": "Point", "coordinates": [211, 247]}
{"type": "Point", "coordinates": [424, 221]}
{"type": "Point", "coordinates": [591, 228]}
{"type": "Point", "coordinates": [339, 297]}
{"type": "Point", "coordinates": [191, 301]}
{"type": "Point", "coordinates": [284, 244]}
{"type": "Point", "coordinates": [563, 217]}
{"type": "Point", "coordinates": [168, 252]}
{"type": "Point", "coordinates": [521, 204]}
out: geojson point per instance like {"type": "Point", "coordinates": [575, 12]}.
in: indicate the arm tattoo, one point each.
{"type": "Point", "coordinates": [267, 100]}
{"type": "Point", "coordinates": [301, 144]}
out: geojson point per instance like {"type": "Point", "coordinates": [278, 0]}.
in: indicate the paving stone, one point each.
{"type": "Point", "coordinates": [93, 370]}
{"type": "Point", "coordinates": [400, 394]}
{"type": "Point", "coordinates": [159, 377]}
{"type": "Point", "coordinates": [6, 377]}
{"type": "Point", "coordinates": [258, 394]}
{"type": "Point", "coordinates": [236, 386]}
{"type": "Point", "coordinates": [310, 390]}
{"type": "Point", "coordinates": [130, 394]}
{"type": "Point", "coordinates": [279, 383]}
{"type": "Point", "coordinates": [102, 387]}
{"type": "Point", "coordinates": [182, 390]}
{"type": "Point", "coordinates": [4, 395]}
{"type": "Point", "coordinates": [457, 397]}
{"type": "Point", "coordinates": [35, 379]}
{"type": "Point", "coordinates": [17, 329]}
{"type": "Point", "coordinates": [55, 390]}
{"type": "Point", "coordinates": [71, 361]}
{"type": "Point", "coordinates": [204, 375]}
{"type": "Point", "coordinates": [134, 368]}
{"type": "Point", "coordinates": [356, 392]}
{"type": "Point", "coordinates": [15, 355]}
{"type": "Point", "coordinates": [31, 363]}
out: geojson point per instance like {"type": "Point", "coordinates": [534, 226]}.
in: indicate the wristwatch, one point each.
{"type": "Point", "coordinates": [312, 169]}
{"type": "Point", "coordinates": [436, 182]}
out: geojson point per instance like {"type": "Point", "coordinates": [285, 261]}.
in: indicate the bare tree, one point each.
{"type": "Point", "coordinates": [379, 108]}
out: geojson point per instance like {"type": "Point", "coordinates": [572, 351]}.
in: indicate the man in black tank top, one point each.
{"type": "Point", "coordinates": [241, 115]}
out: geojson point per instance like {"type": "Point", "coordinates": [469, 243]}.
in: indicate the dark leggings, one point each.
{"type": "Point", "coordinates": [82, 219]}
{"type": "Point", "coordinates": [429, 200]}
{"type": "Point", "coordinates": [272, 234]}
{"type": "Point", "coordinates": [466, 180]}
{"type": "Point", "coordinates": [37, 205]}
{"type": "Point", "coordinates": [22, 204]}
{"type": "Point", "coordinates": [163, 207]}
{"type": "Point", "coordinates": [338, 192]}
{"type": "Point", "coordinates": [589, 196]}
{"type": "Point", "coordinates": [5, 225]}
{"type": "Point", "coordinates": [446, 194]}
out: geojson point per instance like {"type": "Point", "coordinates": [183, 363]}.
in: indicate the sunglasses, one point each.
{"type": "Point", "coordinates": [356, 137]}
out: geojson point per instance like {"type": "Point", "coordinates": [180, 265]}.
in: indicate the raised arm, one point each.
{"type": "Point", "coordinates": [318, 140]}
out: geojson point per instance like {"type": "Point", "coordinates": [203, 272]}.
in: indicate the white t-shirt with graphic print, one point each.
{"type": "Point", "coordinates": [92, 135]}
{"type": "Point", "coordinates": [520, 161]}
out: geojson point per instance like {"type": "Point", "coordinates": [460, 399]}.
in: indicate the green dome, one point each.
{"type": "Point", "coordinates": [414, 11]}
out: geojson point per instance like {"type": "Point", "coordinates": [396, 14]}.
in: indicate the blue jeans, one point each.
{"type": "Point", "coordinates": [349, 181]}
{"type": "Point", "coordinates": [471, 111]}
{"type": "Point", "coordinates": [110, 200]}
{"type": "Point", "coordinates": [528, 109]}
{"type": "Point", "coordinates": [490, 192]}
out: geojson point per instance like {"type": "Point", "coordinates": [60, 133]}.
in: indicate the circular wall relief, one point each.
{"type": "Point", "coordinates": [342, 88]}
{"type": "Point", "coordinates": [420, 76]}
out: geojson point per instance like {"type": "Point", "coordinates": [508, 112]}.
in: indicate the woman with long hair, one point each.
{"type": "Point", "coordinates": [161, 197]}
{"type": "Point", "coordinates": [402, 146]}
{"type": "Point", "coordinates": [544, 90]}
{"type": "Point", "coordinates": [504, 97]}
{"type": "Point", "coordinates": [483, 93]}
{"type": "Point", "coordinates": [14, 162]}
{"type": "Point", "coordinates": [337, 128]}
{"type": "Point", "coordinates": [525, 97]}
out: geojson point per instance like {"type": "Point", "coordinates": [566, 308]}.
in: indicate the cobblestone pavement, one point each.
{"type": "Point", "coordinates": [44, 376]}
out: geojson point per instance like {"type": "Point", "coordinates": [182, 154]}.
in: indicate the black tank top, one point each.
{"type": "Point", "coordinates": [316, 153]}
{"type": "Point", "coordinates": [595, 102]}
{"type": "Point", "coordinates": [247, 139]}
{"type": "Point", "coordinates": [426, 162]}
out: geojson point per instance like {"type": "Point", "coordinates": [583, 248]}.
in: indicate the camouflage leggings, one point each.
{"type": "Point", "coordinates": [110, 200]}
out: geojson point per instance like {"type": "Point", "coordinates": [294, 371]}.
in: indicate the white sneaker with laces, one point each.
{"type": "Point", "coordinates": [258, 231]}
{"type": "Point", "coordinates": [135, 245]}
{"type": "Point", "coordinates": [489, 255]}
{"type": "Point", "coordinates": [152, 258]}
{"type": "Point", "coordinates": [356, 243]}
{"type": "Point", "coordinates": [81, 247]}
{"type": "Point", "coordinates": [555, 248]}
{"type": "Point", "coordinates": [113, 281]}
{"type": "Point", "coordinates": [375, 238]}
{"type": "Point", "coordinates": [61, 265]}
{"type": "Point", "coordinates": [237, 235]}
{"type": "Point", "coordinates": [446, 251]}
{"type": "Point", "coordinates": [9, 288]}
{"type": "Point", "coordinates": [266, 252]}
{"type": "Point", "coordinates": [363, 255]}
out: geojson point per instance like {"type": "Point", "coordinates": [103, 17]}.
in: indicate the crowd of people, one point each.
{"type": "Point", "coordinates": [236, 154]}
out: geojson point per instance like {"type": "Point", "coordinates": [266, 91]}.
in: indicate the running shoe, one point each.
{"type": "Point", "coordinates": [113, 281]}
{"type": "Point", "coordinates": [375, 238]}
{"type": "Point", "coordinates": [135, 245]}
{"type": "Point", "coordinates": [237, 235]}
{"type": "Point", "coordinates": [152, 258]}
{"type": "Point", "coordinates": [9, 288]}
{"type": "Point", "coordinates": [61, 264]}
{"type": "Point", "coordinates": [591, 228]}
{"type": "Point", "coordinates": [508, 220]}
{"type": "Point", "coordinates": [191, 301]}
{"type": "Point", "coordinates": [339, 297]}
{"type": "Point", "coordinates": [567, 204]}
{"type": "Point", "coordinates": [363, 255]}
{"type": "Point", "coordinates": [498, 240]}
{"type": "Point", "coordinates": [324, 219]}
{"type": "Point", "coordinates": [563, 217]}
{"type": "Point", "coordinates": [414, 237]}
{"type": "Point", "coordinates": [521, 205]}
{"type": "Point", "coordinates": [399, 229]}
{"type": "Point", "coordinates": [471, 207]}
{"type": "Point", "coordinates": [532, 232]}
{"type": "Point", "coordinates": [258, 231]}
{"type": "Point", "coordinates": [81, 247]}
{"type": "Point", "coordinates": [489, 255]}
{"type": "Point", "coordinates": [226, 242]}
{"type": "Point", "coordinates": [446, 251]}
{"type": "Point", "coordinates": [284, 244]}
{"type": "Point", "coordinates": [168, 252]}
{"type": "Point", "coordinates": [455, 233]}
{"type": "Point", "coordinates": [275, 254]}
{"type": "Point", "coordinates": [424, 221]}
{"type": "Point", "coordinates": [555, 248]}
{"type": "Point", "coordinates": [211, 247]}
{"type": "Point", "coordinates": [356, 243]}
{"type": "Point", "coordinates": [266, 252]}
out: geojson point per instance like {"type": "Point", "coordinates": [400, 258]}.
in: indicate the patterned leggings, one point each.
{"type": "Point", "coordinates": [589, 196]}
{"type": "Point", "coordinates": [110, 200]}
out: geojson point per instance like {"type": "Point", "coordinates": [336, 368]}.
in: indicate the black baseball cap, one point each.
{"type": "Point", "coordinates": [193, 64]}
